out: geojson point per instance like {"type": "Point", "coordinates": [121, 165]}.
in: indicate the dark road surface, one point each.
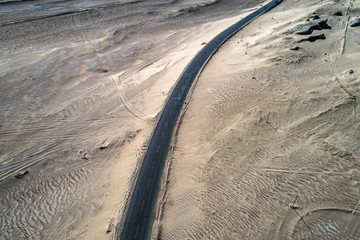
{"type": "Point", "coordinates": [140, 216]}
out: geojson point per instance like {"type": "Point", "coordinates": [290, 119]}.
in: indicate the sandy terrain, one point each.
{"type": "Point", "coordinates": [268, 147]}
{"type": "Point", "coordinates": [82, 84]}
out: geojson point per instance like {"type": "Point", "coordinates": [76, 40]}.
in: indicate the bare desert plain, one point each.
{"type": "Point", "coordinates": [267, 146]}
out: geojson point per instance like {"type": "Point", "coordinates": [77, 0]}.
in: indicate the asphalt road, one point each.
{"type": "Point", "coordinates": [141, 212]}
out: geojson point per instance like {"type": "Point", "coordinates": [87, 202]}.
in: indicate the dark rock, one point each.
{"type": "Point", "coordinates": [86, 156]}
{"type": "Point", "coordinates": [309, 27]}
{"type": "Point", "coordinates": [294, 206]}
{"type": "Point", "coordinates": [204, 43]}
{"type": "Point", "coordinates": [116, 32]}
{"type": "Point", "coordinates": [295, 48]}
{"type": "Point", "coordinates": [313, 38]}
{"type": "Point", "coordinates": [315, 17]}
{"type": "Point", "coordinates": [351, 71]}
{"type": "Point", "coordinates": [338, 13]}
{"type": "Point", "coordinates": [102, 70]}
{"type": "Point", "coordinates": [21, 174]}
{"type": "Point", "coordinates": [110, 226]}
{"type": "Point", "coordinates": [355, 23]}
{"type": "Point", "coordinates": [105, 145]}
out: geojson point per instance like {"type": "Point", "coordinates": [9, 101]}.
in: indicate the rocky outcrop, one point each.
{"type": "Point", "coordinates": [309, 27]}
{"type": "Point", "coordinates": [355, 23]}
{"type": "Point", "coordinates": [313, 38]}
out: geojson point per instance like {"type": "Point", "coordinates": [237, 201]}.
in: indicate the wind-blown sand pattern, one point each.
{"type": "Point", "coordinates": [268, 147]}
{"type": "Point", "coordinates": [82, 84]}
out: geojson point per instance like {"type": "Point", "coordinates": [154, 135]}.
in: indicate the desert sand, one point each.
{"type": "Point", "coordinates": [268, 146]}
{"type": "Point", "coordinates": [82, 85]}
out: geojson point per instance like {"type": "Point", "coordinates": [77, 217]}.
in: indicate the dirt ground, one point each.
{"type": "Point", "coordinates": [268, 147]}
{"type": "Point", "coordinates": [81, 86]}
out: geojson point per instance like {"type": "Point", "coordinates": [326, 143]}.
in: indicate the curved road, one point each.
{"type": "Point", "coordinates": [141, 212]}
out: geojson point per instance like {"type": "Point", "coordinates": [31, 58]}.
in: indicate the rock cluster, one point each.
{"type": "Point", "coordinates": [355, 23]}
{"type": "Point", "coordinates": [309, 27]}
